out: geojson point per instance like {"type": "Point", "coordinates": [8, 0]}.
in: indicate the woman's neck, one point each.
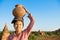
{"type": "Point", "coordinates": [17, 33]}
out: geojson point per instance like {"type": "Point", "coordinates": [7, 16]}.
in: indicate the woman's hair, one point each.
{"type": "Point", "coordinates": [17, 19]}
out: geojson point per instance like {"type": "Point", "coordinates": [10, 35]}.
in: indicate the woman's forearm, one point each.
{"type": "Point", "coordinates": [28, 29]}
{"type": "Point", "coordinates": [30, 24]}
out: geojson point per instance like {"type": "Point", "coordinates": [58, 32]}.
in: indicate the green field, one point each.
{"type": "Point", "coordinates": [37, 35]}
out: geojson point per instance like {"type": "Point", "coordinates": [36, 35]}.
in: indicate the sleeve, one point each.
{"type": "Point", "coordinates": [28, 29]}
{"type": "Point", "coordinates": [8, 37]}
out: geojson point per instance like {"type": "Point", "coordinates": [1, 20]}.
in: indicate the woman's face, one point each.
{"type": "Point", "coordinates": [18, 26]}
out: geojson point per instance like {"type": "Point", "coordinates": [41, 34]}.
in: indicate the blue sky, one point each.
{"type": "Point", "coordinates": [46, 13]}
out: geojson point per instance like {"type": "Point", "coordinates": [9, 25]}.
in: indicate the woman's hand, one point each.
{"type": "Point", "coordinates": [26, 11]}
{"type": "Point", "coordinates": [29, 14]}
{"type": "Point", "coordinates": [31, 17]}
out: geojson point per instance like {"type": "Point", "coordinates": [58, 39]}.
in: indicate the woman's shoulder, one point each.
{"type": "Point", "coordinates": [24, 32]}
{"type": "Point", "coordinates": [10, 36]}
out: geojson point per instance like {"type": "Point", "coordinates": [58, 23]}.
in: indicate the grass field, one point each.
{"type": "Point", "coordinates": [37, 35]}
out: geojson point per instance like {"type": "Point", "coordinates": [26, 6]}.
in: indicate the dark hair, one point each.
{"type": "Point", "coordinates": [18, 19]}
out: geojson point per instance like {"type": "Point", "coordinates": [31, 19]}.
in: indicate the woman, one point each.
{"type": "Point", "coordinates": [18, 25]}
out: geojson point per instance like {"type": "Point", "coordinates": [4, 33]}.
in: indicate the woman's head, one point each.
{"type": "Point", "coordinates": [18, 24]}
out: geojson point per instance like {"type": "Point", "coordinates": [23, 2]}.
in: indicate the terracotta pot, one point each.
{"type": "Point", "coordinates": [19, 11]}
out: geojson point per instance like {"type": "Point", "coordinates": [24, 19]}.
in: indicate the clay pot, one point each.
{"type": "Point", "coordinates": [19, 11]}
